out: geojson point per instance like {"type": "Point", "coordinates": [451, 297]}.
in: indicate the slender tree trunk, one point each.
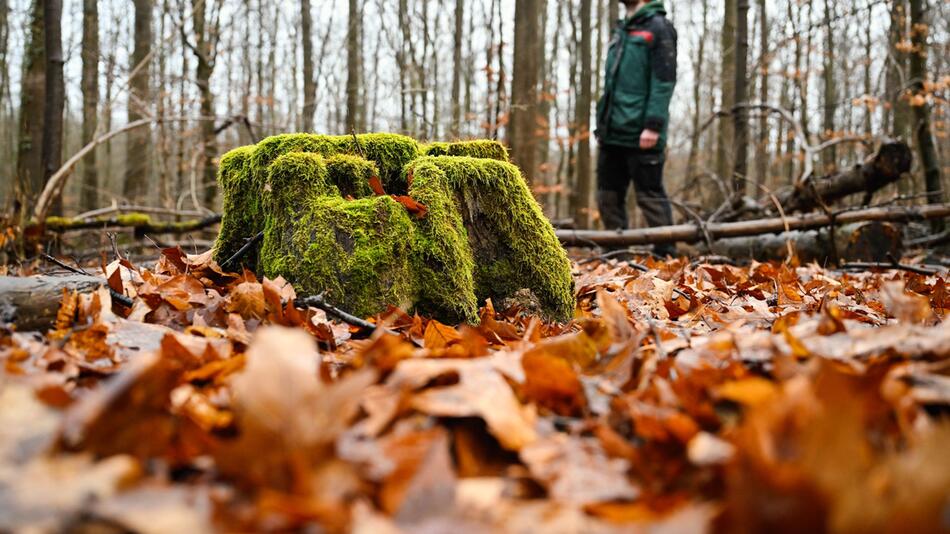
{"type": "Point", "coordinates": [524, 89]}
{"type": "Point", "coordinates": [613, 11]}
{"type": "Point", "coordinates": [582, 208]}
{"type": "Point", "coordinates": [90, 100]}
{"type": "Point", "coordinates": [457, 69]}
{"type": "Point", "coordinates": [741, 161]}
{"type": "Point", "coordinates": [692, 159]}
{"type": "Point", "coordinates": [918, 74]}
{"type": "Point", "coordinates": [726, 137]}
{"type": "Point", "coordinates": [55, 92]}
{"type": "Point", "coordinates": [7, 149]}
{"type": "Point", "coordinates": [829, 94]}
{"type": "Point", "coordinates": [29, 172]}
{"type": "Point", "coordinates": [138, 148]}
{"type": "Point", "coordinates": [353, 67]}
{"type": "Point", "coordinates": [762, 146]}
{"type": "Point", "coordinates": [206, 37]}
{"type": "Point", "coordinates": [309, 85]}
{"type": "Point", "coordinates": [897, 112]}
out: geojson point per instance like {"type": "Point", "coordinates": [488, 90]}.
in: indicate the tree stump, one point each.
{"type": "Point", "coordinates": [329, 228]}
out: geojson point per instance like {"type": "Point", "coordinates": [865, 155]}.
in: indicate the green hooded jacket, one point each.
{"type": "Point", "coordinates": [639, 80]}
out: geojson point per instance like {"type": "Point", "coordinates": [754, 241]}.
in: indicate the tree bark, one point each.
{"type": "Point", "coordinates": [457, 69]}
{"type": "Point", "coordinates": [691, 233]}
{"type": "Point", "coordinates": [582, 208]}
{"type": "Point", "coordinates": [55, 91]}
{"type": "Point", "coordinates": [29, 169]}
{"type": "Point", "coordinates": [206, 39]}
{"type": "Point", "coordinates": [138, 157]}
{"type": "Point", "coordinates": [918, 73]}
{"type": "Point", "coordinates": [524, 89]}
{"type": "Point", "coordinates": [830, 98]}
{"type": "Point", "coordinates": [89, 197]}
{"type": "Point", "coordinates": [741, 87]}
{"type": "Point", "coordinates": [762, 145]}
{"type": "Point", "coordinates": [353, 67]}
{"type": "Point", "coordinates": [726, 137]}
{"type": "Point", "coordinates": [309, 84]}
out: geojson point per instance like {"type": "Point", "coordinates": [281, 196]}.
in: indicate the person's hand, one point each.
{"type": "Point", "coordinates": [649, 139]}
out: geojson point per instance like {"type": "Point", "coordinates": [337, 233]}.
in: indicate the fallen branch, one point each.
{"type": "Point", "coordinates": [142, 224]}
{"type": "Point", "coordinates": [868, 265]}
{"type": "Point", "coordinates": [691, 233]}
{"type": "Point", "coordinates": [32, 302]}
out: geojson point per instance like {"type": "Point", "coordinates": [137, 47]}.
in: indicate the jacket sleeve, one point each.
{"type": "Point", "coordinates": [663, 76]}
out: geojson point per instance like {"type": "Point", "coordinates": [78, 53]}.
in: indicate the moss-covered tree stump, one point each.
{"type": "Point", "coordinates": [328, 229]}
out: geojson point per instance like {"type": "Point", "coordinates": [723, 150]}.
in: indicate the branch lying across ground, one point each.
{"type": "Point", "coordinates": [141, 223]}
{"type": "Point", "coordinates": [691, 233]}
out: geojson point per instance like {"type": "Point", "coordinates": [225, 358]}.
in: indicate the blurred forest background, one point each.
{"type": "Point", "coordinates": [158, 89]}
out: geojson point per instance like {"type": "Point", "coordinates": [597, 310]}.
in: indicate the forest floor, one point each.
{"type": "Point", "coordinates": [687, 398]}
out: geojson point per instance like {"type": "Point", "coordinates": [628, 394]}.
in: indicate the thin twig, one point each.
{"type": "Point", "coordinates": [116, 296]}
{"type": "Point", "coordinates": [317, 301]}
{"type": "Point", "coordinates": [242, 251]}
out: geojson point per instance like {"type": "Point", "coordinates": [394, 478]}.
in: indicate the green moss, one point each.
{"type": "Point", "coordinates": [241, 216]}
{"type": "Point", "coordinates": [55, 222]}
{"type": "Point", "coordinates": [479, 148]}
{"type": "Point", "coordinates": [513, 244]}
{"type": "Point", "coordinates": [390, 152]}
{"type": "Point", "coordinates": [443, 258]}
{"type": "Point", "coordinates": [351, 175]}
{"type": "Point", "coordinates": [132, 219]}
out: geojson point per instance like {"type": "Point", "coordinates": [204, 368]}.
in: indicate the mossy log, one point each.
{"type": "Point", "coordinates": [482, 234]}
{"type": "Point", "coordinates": [141, 223]}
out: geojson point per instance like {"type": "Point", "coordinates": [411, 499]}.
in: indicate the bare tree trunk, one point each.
{"type": "Point", "coordinates": [726, 137]}
{"type": "Point", "coordinates": [613, 11]}
{"type": "Point", "coordinates": [29, 171]}
{"type": "Point", "coordinates": [691, 160]}
{"type": "Point", "coordinates": [353, 67]}
{"type": "Point", "coordinates": [918, 73]}
{"type": "Point", "coordinates": [55, 92]}
{"type": "Point", "coordinates": [7, 149]}
{"type": "Point", "coordinates": [138, 148]}
{"type": "Point", "coordinates": [741, 84]}
{"type": "Point", "coordinates": [90, 100]}
{"type": "Point", "coordinates": [309, 85]}
{"type": "Point", "coordinates": [582, 208]}
{"type": "Point", "coordinates": [206, 38]}
{"type": "Point", "coordinates": [830, 156]}
{"type": "Point", "coordinates": [457, 69]}
{"type": "Point", "coordinates": [762, 145]}
{"type": "Point", "coordinates": [524, 89]}
{"type": "Point", "coordinates": [897, 115]}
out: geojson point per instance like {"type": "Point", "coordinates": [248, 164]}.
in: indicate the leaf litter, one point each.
{"type": "Point", "coordinates": [687, 398]}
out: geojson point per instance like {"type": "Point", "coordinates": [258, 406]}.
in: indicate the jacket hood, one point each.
{"type": "Point", "coordinates": [654, 7]}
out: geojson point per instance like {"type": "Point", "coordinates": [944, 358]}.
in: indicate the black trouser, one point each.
{"type": "Point", "coordinates": [617, 166]}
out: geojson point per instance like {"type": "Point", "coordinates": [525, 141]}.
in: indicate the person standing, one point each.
{"type": "Point", "coordinates": [633, 117]}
